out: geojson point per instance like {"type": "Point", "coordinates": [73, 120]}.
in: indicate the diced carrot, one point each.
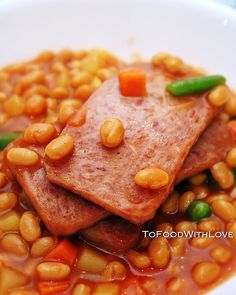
{"type": "Point", "coordinates": [132, 82]}
{"type": "Point", "coordinates": [65, 252]}
{"type": "Point", "coordinates": [232, 127]}
{"type": "Point", "coordinates": [52, 288]}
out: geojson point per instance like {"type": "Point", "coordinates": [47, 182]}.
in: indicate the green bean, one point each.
{"type": "Point", "coordinates": [6, 138]}
{"type": "Point", "coordinates": [198, 210]}
{"type": "Point", "coordinates": [195, 85]}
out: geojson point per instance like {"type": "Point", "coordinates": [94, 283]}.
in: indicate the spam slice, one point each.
{"type": "Point", "coordinates": [159, 131]}
{"type": "Point", "coordinates": [212, 147]}
{"type": "Point", "coordinates": [113, 234]}
{"type": "Point", "coordinates": [62, 212]}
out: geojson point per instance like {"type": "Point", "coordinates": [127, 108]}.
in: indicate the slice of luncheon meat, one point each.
{"type": "Point", "coordinates": [159, 132]}
{"type": "Point", "coordinates": [212, 147]}
{"type": "Point", "coordinates": [113, 234]}
{"type": "Point", "coordinates": [62, 212]}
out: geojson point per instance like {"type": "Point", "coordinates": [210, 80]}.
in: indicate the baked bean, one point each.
{"type": "Point", "coordinates": [29, 226]}
{"type": "Point", "coordinates": [14, 106]}
{"type": "Point", "coordinates": [7, 201]}
{"type": "Point", "coordinates": [230, 106]}
{"type": "Point", "coordinates": [65, 54]}
{"type": "Point", "coordinates": [35, 105]}
{"type": "Point", "coordinates": [200, 191]}
{"type": "Point", "coordinates": [14, 244]}
{"type": "Point", "coordinates": [184, 226]}
{"type": "Point", "coordinates": [197, 179]}
{"type": "Point", "coordinates": [152, 286]}
{"type": "Point", "coordinates": [63, 80]}
{"type": "Point", "coordinates": [223, 175]}
{"type": "Point", "coordinates": [170, 205]}
{"type": "Point", "coordinates": [39, 133]}
{"type": "Point", "coordinates": [58, 67]}
{"type": "Point", "coordinates": [138, 259]}
{"type": "Point", "coordinates": [33, 77]}
{"type": "Point", "coordinates": [54, 271]}
{"type": "Point", "coordinates": [107, 289]}
{"type": "Point", "coordinates": [23, 292]}
{"type": "Point", "coordinates": [174, 65]}
{"type": "Point", "coordinates": [51, 104]}
{"type": "Point", "coordinates": [81, 289]}
{"type": "Point", "coordinates": [45, 56]}
{"type": "Point", "coordinates": [67, 110]}
{"type": "Point", "coordinates": [91, 261]}
{"type": "Point", "coordinates": [209, 225]}
{"type": "Point", "coordinates": [3, 96]}
{"type": "Point", "coordinates": [112, 132]}
{"type": "Point", "coordinates": [159, 252]}
{"type": "Point", "coordinates": [60, 147]}
{"type": "Point", "coordinates": [36, 90]}
{"type": "Point", "coordinates": [3, 179]}
{"type": "Point", "coordinates": [158, 58]}
{"type": "Point", "coordinates": [51, 118]}
{"type": "Point", "coordinates": [3, 118]}
{"type": "Point", "coordinates": [221, 254]}
{"type": "Point", "coordinates": [16, 68]}
{"type": "Point", "coordinates": [165, 227]}
{"type": "Point", "coordinates": [114, 270]}
{"type": "Point", "coordinates": [79, 118]}
{"type": "Point", "coordinates": [177, 246]}
{"type": "Point", "coordinates": [231, 227]}
{"type": "Point", "coordinates": [11, 278]}
{"type": "Point", "coordinates": [104, 74]}
{"type": "Point", "coordinates": [219, 95]}
{"type": "Point", "coordinates": [83, 92]}
{"type": "Point", "coordinates": [205, 273]}
{"type": "Point", "coordinates": [176, 284]}
{"type": "Point", "coordinates": [60, 92]}
{"type": "Point", "coordinates": [41, 246]}
{"type": "Point", "coordinates": [224, 210]}
{"type": "Point", "coordinates": [185, 200]}
{"type": "Point", "coordinates": [96, 82]}
{"type": "Point", "coordinates": [200, 242]}
{"type": "Point", "coordinates": [9, 222]}
{"type": "Point", "coordinates": [231, 158]}
{"type": "Point", "coordinates": [217, 196]}
{"type": "Point", "coordinates": [151, 178]}
{"type": "Point", "coordinates": [81, 78]}
{"type": "Point", "coordinates": [22, 156]}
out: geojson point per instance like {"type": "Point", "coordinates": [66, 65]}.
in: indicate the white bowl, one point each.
{"type": "Point", "coordinates": [203, 33]}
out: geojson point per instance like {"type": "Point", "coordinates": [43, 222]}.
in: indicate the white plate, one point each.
{"type": "Point", "coordinates": [203, 33]}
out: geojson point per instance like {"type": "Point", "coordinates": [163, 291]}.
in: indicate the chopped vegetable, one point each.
{"type": "Point", "coordinates": [52, 288]}
{"type": "Point", "coordinates": [65, 252]}
{"type": "Point", "coordinates": [198, 210]}
{"type": "Point", "coordinates": [195, 85]}
{"type": "Point", "coordinates": [6, 138]}
{"type": "Point", "coordinates": [132, 82]}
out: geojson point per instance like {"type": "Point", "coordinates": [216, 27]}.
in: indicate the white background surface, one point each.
{"type": "Point", "coordinates": [202, 33]}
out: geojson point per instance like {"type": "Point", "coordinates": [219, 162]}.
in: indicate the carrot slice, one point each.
{"type": "Point", "coordinates": [132, 82]}
{"type": "Point", "coordinates": [65, 252]}
{"type": "Point", "coordinates": [52, 288]}
{"type": "Point", "coordinates": [232, 127]}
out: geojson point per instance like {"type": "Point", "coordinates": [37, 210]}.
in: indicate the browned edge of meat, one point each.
{"type": "Point", "coordinates": [212, 147]}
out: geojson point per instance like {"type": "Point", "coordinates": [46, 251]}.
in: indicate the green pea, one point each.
{"type": "Point", "coordinates": [198, 210]}
{"type": "Point", "coordinates": [6, 138]}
